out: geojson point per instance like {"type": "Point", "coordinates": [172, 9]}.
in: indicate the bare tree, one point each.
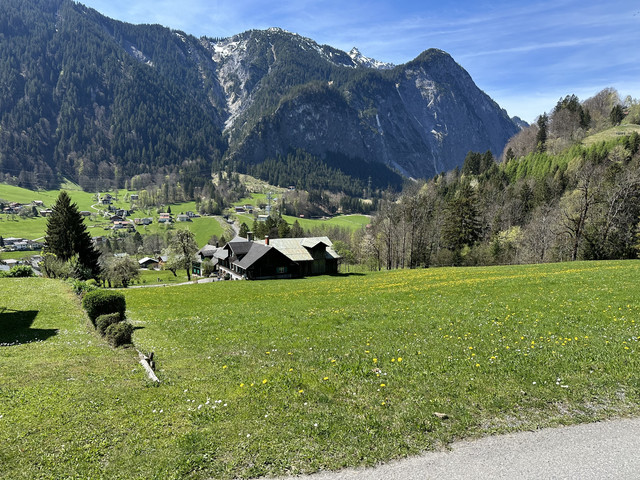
{"type": "Point", "coordinates": [576, 205]}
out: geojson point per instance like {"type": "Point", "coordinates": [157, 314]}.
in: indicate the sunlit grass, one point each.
{"type": "Point", "coordinates": [281, 377]}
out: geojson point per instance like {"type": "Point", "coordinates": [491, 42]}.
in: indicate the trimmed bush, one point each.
{"type": "Point", "coordinates": [119, 333]}
{"type": "Point", "coordinates": [102, 302]}
{"type": "Point", "coordinates": [104, 321]}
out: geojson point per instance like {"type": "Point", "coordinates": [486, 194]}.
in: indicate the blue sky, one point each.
{"type": "Point", "coordinates": [525, 55]}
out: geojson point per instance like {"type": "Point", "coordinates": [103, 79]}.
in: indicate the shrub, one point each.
{"type": "Point", "coordinates": [105, 321]}
{"type": "Point", "coordinates": [101, 302]}
{"type": "Point", "coordinates": [19, 271]}
{"type": "Point", "coordinates": [119, 333]}
{"type": "Point", "coordinates": [80, 287]}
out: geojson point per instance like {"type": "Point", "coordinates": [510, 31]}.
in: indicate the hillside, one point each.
{"type": "Point", "coordinates": [289, 377]}
{"type": "Point", "coordinates": [580, 203]}
{"type": "Point", "coordinates": [98, 101]}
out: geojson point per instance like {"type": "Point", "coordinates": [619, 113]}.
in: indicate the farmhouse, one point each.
{"type": "Point", "coordinates": [278, 258]}
{"type": "Point", "coordinates": [208, 252]}
{"type": "Point", "coordinates": [314, 255]}
{"type": "Point", "coordinates": [148, 262]}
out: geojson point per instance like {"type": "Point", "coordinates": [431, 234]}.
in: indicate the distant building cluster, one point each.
{"type": "Point", "coordinates": [12, 244]}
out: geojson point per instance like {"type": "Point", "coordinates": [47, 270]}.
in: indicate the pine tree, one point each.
{"type": "Point", "coordinates": [66, 237]}
{"type": "Point", "coordinates": [541, 137]}
{"type": "Point", "coordinates": [244, 229]}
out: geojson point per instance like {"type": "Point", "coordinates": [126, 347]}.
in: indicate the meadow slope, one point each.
{"type": "Point", "coordinates": [285, 377]}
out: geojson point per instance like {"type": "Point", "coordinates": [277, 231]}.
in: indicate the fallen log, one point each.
{"type": "Point", "coordinates": [147, 362]}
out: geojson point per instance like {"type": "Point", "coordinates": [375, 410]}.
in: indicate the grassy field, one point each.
{"type": "Point", "coordinates": [611, 133]}
{"type": "Point", "coordinates": [285, 377]}
{"type": "Point", "coordinates": [352, 222]}
{"type": "Point", "coordinates": [34, 228]}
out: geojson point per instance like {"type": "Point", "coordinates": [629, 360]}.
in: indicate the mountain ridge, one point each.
{"type": "Point", "coordinates": [100, 100]}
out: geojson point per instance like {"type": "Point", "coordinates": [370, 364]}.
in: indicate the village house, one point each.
{"type": "Point", "coordinates": [278, 258]}
{"type": "Point", "coordinates": [206, 253]}
{"type": "Point", "coordinates": [184, 218]}
{"type": "Point", "coordinates": [148, 263]}
{"type": "Point", "coordinates": [20, 244]}
{"type": "Point", "coordinates": [123, 224]}
{"type": "Point", "coordinates": [165, 218]}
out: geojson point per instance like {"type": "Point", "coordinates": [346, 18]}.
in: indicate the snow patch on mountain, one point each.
{"type": "Point", "coordinates": [368, 62]}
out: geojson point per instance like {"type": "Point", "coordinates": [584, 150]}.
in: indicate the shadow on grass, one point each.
{"type": "Point", "coordinates": [15, 328]}
{"type": "Point", "coordinates": [348, 274]}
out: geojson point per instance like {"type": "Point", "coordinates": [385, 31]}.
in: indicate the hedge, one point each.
{"type": "Point", "coordinates": [104, 321]}
{"type": "Point", "coordinates": [119, 333]}
{"type": "Point", "coordinates": [102, 302]}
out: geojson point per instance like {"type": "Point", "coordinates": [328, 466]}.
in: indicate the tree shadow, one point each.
{"type": "Point", "coordinates": [15, 328]}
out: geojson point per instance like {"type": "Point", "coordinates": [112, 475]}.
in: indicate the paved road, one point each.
{"type": "Point", "coordinates": [596, 451]}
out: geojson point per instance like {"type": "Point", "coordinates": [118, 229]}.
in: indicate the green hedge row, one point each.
{"type": "Point", "coordinates": [106, 309]}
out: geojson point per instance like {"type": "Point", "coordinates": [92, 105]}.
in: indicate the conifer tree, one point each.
{"type": "Point", "coordinates": [67, 237]}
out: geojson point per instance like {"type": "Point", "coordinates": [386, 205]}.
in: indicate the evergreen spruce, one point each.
{"type": "Point", "coordinates": [67, 237]}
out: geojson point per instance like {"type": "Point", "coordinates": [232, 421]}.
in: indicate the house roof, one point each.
{"type": "Point", "coordinates": [208, 251]}
{"type": "Point", "coordinates": [297, 248]}
{"type": "Point", "coordinates": [221, 254]}
{"type": "Point", "coordinates": [255, 253]}
{"type": "Point", "coordinates": [239, 246]}
{"type": "Point", "coordinates": [144, 260]}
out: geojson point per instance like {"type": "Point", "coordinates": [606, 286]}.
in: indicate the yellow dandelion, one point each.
{"type": "Point", "coordinates": [224, 366]}
{"type": "Point", "coordinates": [264, 381]}
{"type": "Point", "coordinates": [326, 378]}
{"type": "Point", "coordinates": [300, 391]}
{"type": "Point", "coordinates": [399, 359]}
{"type": "Point", "coordinates": [383, 385]}
{"type": "Point", "coordinates": [375, 360]}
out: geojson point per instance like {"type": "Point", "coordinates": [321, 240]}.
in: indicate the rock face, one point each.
{"type": "Point", "coordinates": [145, 99]}
{"type": "Point", "coordinates": [420, 118]}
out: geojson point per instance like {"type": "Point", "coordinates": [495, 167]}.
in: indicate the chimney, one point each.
{"type": "Point", "coordinates": [266, 239]}
{"type": "Point", "coordinates": [250, 236]}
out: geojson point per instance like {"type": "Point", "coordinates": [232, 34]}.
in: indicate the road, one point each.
{"type": "Point", "coordinates": [595, 451]}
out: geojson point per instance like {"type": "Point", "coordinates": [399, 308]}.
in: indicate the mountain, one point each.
{"type": "Point", "coordinates": [89, 98]}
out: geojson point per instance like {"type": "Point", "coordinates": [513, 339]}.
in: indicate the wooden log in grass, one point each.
{"type": "Point", "coordinates": [145, 361]}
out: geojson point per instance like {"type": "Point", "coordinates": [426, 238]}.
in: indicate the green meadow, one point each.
{"type": "Point", "coordinates": [289, 377]}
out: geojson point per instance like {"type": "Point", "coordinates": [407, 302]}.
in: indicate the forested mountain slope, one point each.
{"type": "Point", "coordinates": [100, 101]}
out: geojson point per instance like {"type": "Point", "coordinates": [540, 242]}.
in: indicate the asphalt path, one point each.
{"type": "Point", "coordinates": [594, 451]}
